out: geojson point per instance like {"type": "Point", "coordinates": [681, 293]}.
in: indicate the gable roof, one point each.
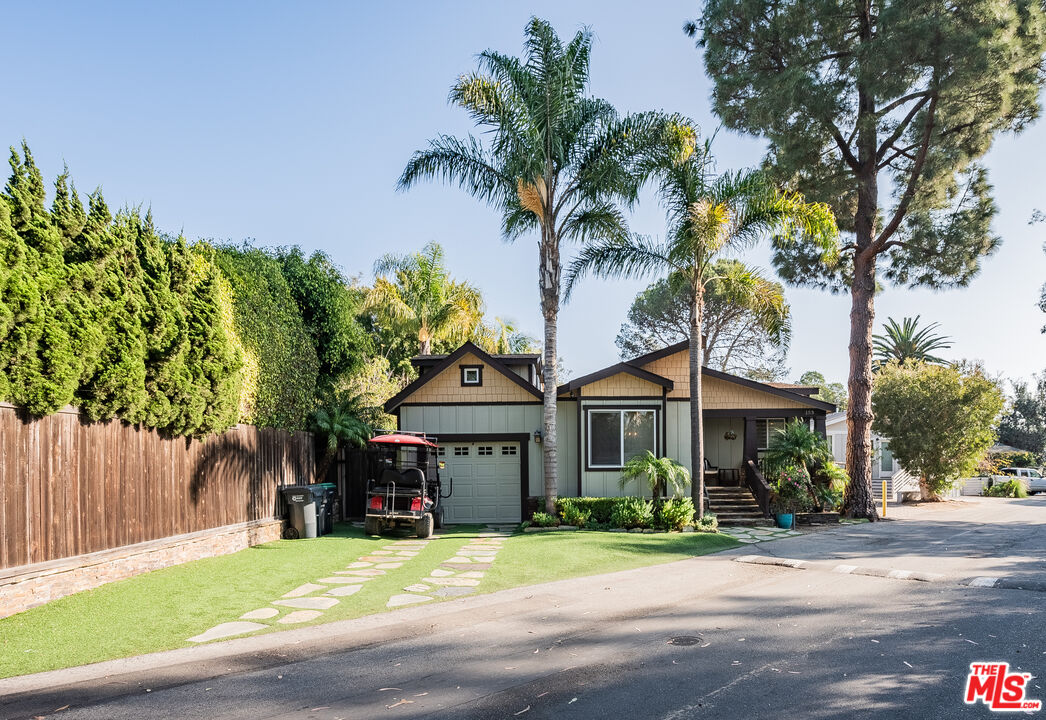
{"type": "Point", "coordinates": [468, 348]}
{"type": "Point", "coordinates": [791, 393]}
{"type": "Point", "coordinates": [621, 367]}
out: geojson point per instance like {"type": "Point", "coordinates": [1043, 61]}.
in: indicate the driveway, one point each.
{"type": "Point", "coordinates": [706, 637]}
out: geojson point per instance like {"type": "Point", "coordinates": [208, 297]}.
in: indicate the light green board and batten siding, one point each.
{"type": "Point", "coordinates": [484, 419]}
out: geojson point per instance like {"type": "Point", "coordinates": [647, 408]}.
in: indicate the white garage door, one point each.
{"type": "Point", "coordinates": [486, 482]}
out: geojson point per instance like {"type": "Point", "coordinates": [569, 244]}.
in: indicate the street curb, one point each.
{"type": "Point", "coordinates": [893, 574]}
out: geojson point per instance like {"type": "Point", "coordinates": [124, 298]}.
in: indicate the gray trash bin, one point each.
{"type": "Point", "coordinates": [301, 512]}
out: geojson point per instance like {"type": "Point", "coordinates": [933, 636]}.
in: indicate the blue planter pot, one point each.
{"type": "Point", "coordinates": [785, 520]}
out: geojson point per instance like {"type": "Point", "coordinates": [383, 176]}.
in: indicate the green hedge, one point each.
{"type": "Point", "coordinates": [98, 311]}
{"type": "Point", "coordinates": [631, 512]}
{"type": "Point", "coordinates": [280, 361]}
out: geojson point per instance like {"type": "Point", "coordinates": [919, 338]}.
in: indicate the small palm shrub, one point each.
{"type": "Point", "coordinates": [674, 514]}
{"type": "Point", "coordinates": [1008, 489]}
{"type": "Point", "coordinates": [543, 519]}
{"type": "Point", "coordinates": [573, 514]}
{"type": "Point", "coordinates": [633, 512]}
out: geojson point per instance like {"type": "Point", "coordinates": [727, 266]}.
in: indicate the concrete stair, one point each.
{"type": "Point", "coordinates": [735, 506]}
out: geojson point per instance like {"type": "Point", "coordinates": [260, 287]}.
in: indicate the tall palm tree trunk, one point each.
{"type": "Point", "coordinates": [549, 280]}
{"type": "Point", "coordinates": [697, 426]}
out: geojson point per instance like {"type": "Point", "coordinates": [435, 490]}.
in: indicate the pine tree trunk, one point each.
{"type": "Point", "coordinates": [697, 428]}
{"type": "Point", "coordinates": [549, 279]}
{"type": "Point", "coordinates": [858, 501]}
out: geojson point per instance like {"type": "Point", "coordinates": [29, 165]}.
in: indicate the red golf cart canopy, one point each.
{"type": "Point", "coordinates": [401, 439]}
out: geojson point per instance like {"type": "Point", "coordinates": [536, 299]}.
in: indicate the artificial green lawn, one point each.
{"type": "Point", "coordinates": [159, 610]}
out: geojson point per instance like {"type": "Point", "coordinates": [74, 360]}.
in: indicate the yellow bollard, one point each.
{"type": "Point", "coordinates": [884, 498]}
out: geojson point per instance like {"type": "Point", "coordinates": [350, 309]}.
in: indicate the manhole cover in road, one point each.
{"type": "Point", "coordinates": [685, 640]}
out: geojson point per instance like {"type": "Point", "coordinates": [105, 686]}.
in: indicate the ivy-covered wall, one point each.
{"type": "Point", "coordinates": [280, 362]}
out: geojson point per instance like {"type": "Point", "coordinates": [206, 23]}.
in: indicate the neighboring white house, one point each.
{"type": "Point", "coordinates": [898, 481]}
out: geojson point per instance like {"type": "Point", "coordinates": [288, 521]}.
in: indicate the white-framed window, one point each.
{"type": "Point", "coordinates": [614, 436]}
{"type": "Point", "coordinates": [471, 374]}
{"type": "Point", "coordinates": [461, 450]}
{"type": "Point", "coordinates": [441, 451]}
{"type": "Point", "coordinates": [485, 450]}
{"type": "Point", "coordinates": [508, 450]}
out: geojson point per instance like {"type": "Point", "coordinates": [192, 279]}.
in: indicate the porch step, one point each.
{"type": "Point", "coordinates": [734, 506]}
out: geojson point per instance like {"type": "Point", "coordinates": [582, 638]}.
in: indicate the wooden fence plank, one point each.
{"type": "Point", "coordinates": [69, 487]}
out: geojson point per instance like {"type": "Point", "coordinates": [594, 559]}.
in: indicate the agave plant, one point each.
{"type": "Point", "coordinates": [659, 473]}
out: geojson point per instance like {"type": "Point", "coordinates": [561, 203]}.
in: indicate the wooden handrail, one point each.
{"type": "Point", "coordinates": [759, 487]}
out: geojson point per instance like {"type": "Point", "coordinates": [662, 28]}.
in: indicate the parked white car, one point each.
{"type": "Point", "coordinates": [1033, 480]}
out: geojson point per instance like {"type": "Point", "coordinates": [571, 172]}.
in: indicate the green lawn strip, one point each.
{"type": "Point", "coordinates": [528, 559]}
{"type": "Point", "coordinates": [159, 610]}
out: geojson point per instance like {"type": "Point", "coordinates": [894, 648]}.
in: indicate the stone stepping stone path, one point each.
{"type": "Point", "coordinates": [752, 535]}
{"type": "Point", "coordinates": [457, 575]}
{"type": "Point", "coordinates": [308, 601]}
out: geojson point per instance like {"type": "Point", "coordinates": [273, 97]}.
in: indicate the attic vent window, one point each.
{"type": "Point", "coordinates": [472, 375]}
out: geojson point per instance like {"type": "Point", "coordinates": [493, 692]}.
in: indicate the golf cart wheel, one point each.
{"type": "Point", "coordinates": [424, 525]}
{"type": "Point", "coordinates": [438, 518]}
{"type": "Point", "coordinates": [372, 526]}
{"type": "Point", "coordinates": [290, 533]}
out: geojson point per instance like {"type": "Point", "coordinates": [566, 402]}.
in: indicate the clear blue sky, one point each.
{"type": "Point", "coordinates": [289, 123]}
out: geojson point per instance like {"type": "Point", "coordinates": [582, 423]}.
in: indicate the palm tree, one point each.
{"type": "Point", "coordinates": [559, 162]}
{"type": "Point", "coordinates": [799, 446]}
{"type": "Point", "coordinates": [708, 216]}
{"type": "Point", "coordinates": [906, 343]}
{"type": "Point", "coordinates": [423, 300]}
{"type": "Point", "coordinates": [660, 473]}
{"type": "Point", "coordinates": [501, 337]}
{"type": "Point", "coordinates": [339, 424]}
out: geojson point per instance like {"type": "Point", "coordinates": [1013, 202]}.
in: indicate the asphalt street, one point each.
{"type": "Point", "coordinates": [707, 637]}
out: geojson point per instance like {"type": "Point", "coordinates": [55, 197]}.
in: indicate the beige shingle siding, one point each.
{"type": "Point", "coordinates": [677, 369]}
{"type": "Point", "coordinates": [724, 395]}
{"type": "Point", "coordinates": [621, 385]}
{"type": "Point", "coordinates": [446, 387]}
{"type": "Point", "coordinates": [718, 394]}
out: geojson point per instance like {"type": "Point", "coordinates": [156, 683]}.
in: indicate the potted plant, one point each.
{"type": "Point", "coordinates": [790, 493]}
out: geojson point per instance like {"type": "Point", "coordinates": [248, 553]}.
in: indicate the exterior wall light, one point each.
{"type": "Point", "coordinates": [537, 437]}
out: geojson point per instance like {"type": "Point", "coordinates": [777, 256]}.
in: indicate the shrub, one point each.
{"type": "Point", "coordinates": [632, 512]}
{"type": "Point", "coordinates": [791, 490]}
{"type": "Point", "coordinates": [574, 515]}
{"type": "Point", "coordinates": [601, 510]}
{"type": "Point", "coordinates": [1009, 489]}
{"type": "Point", "coordinates": [674, 514]}
{"type": "Point", "coordinates": [709, 523]}
{"type": "Point", "coordinates": [543, 519]}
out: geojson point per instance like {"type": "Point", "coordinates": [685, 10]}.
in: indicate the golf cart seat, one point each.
{"type": "Point", "coordinates": [409, 482]}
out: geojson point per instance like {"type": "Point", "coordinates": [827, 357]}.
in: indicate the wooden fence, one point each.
{"type": "Point", "coordinates": [69, 486]}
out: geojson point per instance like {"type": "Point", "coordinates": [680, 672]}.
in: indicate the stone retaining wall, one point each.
{"type": "Point", "coordinates": [27, 586]}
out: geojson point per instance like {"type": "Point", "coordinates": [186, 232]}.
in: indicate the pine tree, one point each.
{"type": "Point", "coordinates": [903, 95]}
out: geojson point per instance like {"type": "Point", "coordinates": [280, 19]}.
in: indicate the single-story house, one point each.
{"type": "Point", "coordinates": [899, 482]}
{"type": "Point", "coordinates": [486, 411]}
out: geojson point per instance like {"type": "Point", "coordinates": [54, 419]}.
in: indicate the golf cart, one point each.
{"type": "Point", "coordinates": [406, 491]}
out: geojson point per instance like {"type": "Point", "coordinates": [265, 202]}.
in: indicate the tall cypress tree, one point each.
{"type": "Point", "coordinates": [907, 92]}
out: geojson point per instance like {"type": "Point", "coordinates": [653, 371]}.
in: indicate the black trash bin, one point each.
{"type": "Point", "coordinates": [325, 496]}
{"type": "Point", "coordinates": [301, 512]}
